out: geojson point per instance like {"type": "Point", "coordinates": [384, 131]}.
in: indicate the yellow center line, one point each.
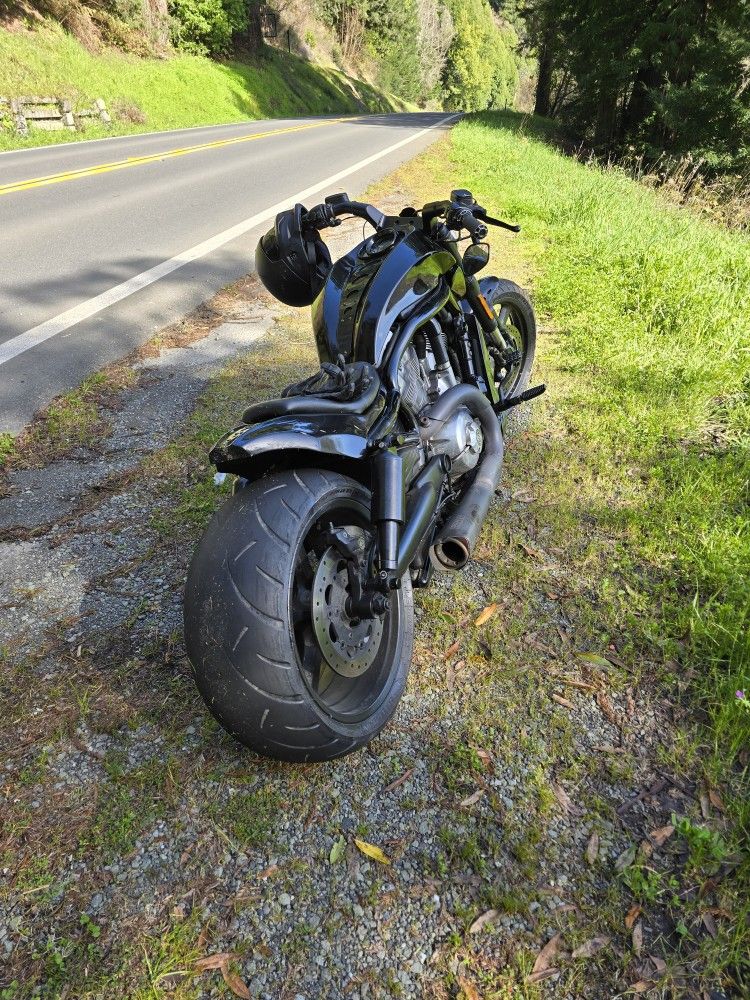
{"type": "Point", "coordinates": [135, 161]}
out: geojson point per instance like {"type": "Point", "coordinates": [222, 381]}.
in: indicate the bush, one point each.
{"type": "Point", "coordinates": [206, 27]}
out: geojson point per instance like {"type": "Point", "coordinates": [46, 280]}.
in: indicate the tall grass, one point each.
{"type": "Point", "coordinates": [650, 305]}
{"type": "Point", "coordinates": [178, 92]}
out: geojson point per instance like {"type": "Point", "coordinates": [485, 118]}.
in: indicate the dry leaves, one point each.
{"type": "Point", "coordinates": [662, 834]}
{"type": "Point", "coordinates": [543, 967]}
{"type": "Point", "coordinates": [485, 616]}
{"type": "Point", "coordinates": [626, 859]}
{"type": "Point", "coordinates": [606, 708]}
{"type": "Point", "coordinates": [592, 848]}
{"type": "Point", "coordinates": [214, 961]}
{"type": "Point", "coordinates": [642, 986]}
{"type": "Point", "coordinates": [452, 649]}
{"type": "Point", "coordinates": [715, 800]}
{"type": "Point", "coordinates": [632, 915]}
{"type": "Point", "coordinates": [372, 851]}
{"type": "Point", "coordinates": [221, 962]}
{"type": "Point", "coordinates": [637, 938]}
{"type": "Point", "coordinates": [468, 989]}
{"type": "Point", "coordinates": [235, 984]}
{"type": "Point", "coordinates": [590, 947]}
{"type": "Point", "coordinates": [564, 799]}
{"type": "Point", "coordinates": [399, 781]}
{"type": "Point", "coordinates": [562, 701]}
{"type": "Point", "coordinates": [488, 917]}
{"type": "Point", "coordinates": [472, 799]}
{"type": "Point", "coordinates": [710, 924]}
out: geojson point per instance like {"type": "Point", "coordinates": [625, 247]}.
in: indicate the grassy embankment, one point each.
{"type": "Point", "coordinates": [146, 94]}
{"type": "Point", "coordinates": [649, 372]}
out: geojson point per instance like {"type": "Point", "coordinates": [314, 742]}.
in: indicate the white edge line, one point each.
{"type": "Point", "coordinates": [85, 310]}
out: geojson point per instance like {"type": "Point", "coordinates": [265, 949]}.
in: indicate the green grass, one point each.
{"type": "Point", "coordinates": [147, 94]}
{"type": "Point", "coordinates": [649, 371]}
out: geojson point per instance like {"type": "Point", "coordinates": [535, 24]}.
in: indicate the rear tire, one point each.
{"type": "Point", "coordinates": [246, 631]}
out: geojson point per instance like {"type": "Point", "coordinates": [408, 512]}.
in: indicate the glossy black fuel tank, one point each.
{"type": "Point", "coordinates": [366, 291]}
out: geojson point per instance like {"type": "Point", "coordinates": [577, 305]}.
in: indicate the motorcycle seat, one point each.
{"type": "Point", "coordinates": [349, 390]}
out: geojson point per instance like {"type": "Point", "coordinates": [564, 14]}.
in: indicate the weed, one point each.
{"type": "Point", "coordinates": [707, 847]}
{"type": "Point", "coordinates": [248, 816]}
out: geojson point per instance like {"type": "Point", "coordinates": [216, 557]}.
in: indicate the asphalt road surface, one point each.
{"type": "Point", "coordinates": [102, 243]}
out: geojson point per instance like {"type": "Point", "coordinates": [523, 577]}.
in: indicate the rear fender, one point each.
{"type": "Point", "coordinates": [322, 441]}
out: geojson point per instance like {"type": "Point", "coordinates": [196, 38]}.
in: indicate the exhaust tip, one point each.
{"type": "Point", "coordinates": [451, 554]}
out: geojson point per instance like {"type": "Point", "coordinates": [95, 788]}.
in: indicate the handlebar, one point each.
{"type": "Point", "coordinates": [461, 212]}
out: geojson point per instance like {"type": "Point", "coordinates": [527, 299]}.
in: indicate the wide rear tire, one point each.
{"type": "Point", "coordinates": [255, 658]}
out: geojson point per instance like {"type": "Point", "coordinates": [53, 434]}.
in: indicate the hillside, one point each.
{"type": "Point", "coordinates": [151, 93]}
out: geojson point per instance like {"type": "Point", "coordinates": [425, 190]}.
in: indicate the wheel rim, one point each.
{"type": "Point", "coordinates": [512, 324]}
{"type": "Point", "coordinates": [347, 665]}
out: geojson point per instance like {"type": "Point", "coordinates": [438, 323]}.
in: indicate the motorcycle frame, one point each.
{"type": "Point", "coordinates": [420, 287]}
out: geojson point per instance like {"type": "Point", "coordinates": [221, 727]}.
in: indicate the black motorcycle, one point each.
{"type": "Point", "coordinates": [360, 481]}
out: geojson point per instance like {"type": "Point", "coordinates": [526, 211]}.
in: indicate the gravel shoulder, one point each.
{"type": "Point", "coordinates": [527, 776]}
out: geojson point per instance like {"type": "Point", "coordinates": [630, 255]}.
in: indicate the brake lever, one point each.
{"type": "Point", "coordinates": [499, 222]}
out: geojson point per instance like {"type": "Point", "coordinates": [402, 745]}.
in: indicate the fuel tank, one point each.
{"type": "Point", "coordinates": [368, 289]}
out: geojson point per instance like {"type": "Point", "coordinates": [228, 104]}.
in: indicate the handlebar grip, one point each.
{"type": "Point", "coordinates": [464, 218]}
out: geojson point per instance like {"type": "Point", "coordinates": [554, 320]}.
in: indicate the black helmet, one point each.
{"type": "Point", "coordinates": [292, 262]}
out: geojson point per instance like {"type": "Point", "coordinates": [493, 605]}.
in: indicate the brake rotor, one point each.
{"type": "Point", "coordinates": [349, 646]}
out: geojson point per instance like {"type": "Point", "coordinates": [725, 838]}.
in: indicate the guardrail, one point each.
{"type": "Point", "coordinates": [50, 113]}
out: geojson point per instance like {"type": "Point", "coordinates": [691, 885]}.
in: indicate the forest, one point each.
{"type": "Point", "coordinates": [623, 81]}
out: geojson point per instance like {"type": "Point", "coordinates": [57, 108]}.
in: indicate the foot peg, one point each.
{"type": "Point", "coordinates": [523, 397]}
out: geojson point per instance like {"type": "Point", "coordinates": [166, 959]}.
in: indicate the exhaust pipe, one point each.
{"type": "Point", "coordinates": [452, 547]}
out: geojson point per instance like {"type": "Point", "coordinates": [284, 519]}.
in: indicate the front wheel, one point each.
{"type": "Point", "coordinates": [515, 317]}
{"type": "Point", "coordinates": [276, 658]}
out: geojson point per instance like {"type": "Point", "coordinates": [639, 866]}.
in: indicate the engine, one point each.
{"type": "Point", "coordinates": [421, 382]}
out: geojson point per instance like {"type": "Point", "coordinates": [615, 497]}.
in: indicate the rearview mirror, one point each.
{"type": "Point", "coordinates": [476, 257]}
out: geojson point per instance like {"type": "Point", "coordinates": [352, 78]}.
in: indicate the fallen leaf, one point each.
{"type": "Point", "coordinates": [337, 850]}
{"type": "Point", "coordinates": [563, 798]}
{"type": "Point", "coordinates": [268, 872]}
{"type": "Point", "coordinates": [562, 701]}
{"type": "Point", "coordinates": [595, 660]}
{"type": "Point", "coordinates": [547, 954]}
{"type": "Point", "coordinates": [646, 848]}
{"type": "Point", "coordinates": [581, 685]}
{"type": "Point", "coordinates": [662, 834]}
{"type": "Point", "coordinates": [485, 758]}
{"type": "Point", "coordinates": [632, 915]}
{"type": "Point", "coordinates": [606, 708]}
{"type": "Point", "coordinates": [608, 749]}
{"type": "Point", "coordinates": [372, 851]}
{"type": "Point", "coordinates": [523, 496]}
{"type": "Point", "coordinates": [235, 984]}
{"type": "Point", "coordinates": [485, 918]}
{"type": "Point", "coordinates": [590, 947]}
{"type": "Point", "coordinates": [705, 807]}
{"type": "Point", "coordinates": [485, 616]}
{"type": "Point", "coordinates": [473, 798]}
{"type": "Point", "coordinates": [642, 986]}
{"type": "Point", "coordinates": [214, 961]}
{"type": "Point", "coordinates": [468, 989]}
{"type": "Point", "coordinates": [537, 977]}
{"type": "Point", "coordinates": [592, 848]}
{"type": "Point", "coordinates": [203, 937]}
{"type": "Point", "coordinates": [637, 938]}
{"type": "Point", "coordinates": [659, 964]}
{"type": "Point", "coordinates": [399, 781]}
{"type": "Point", "coordinates": [710, 924]}
{"type": "Point", "coordinates": [626, 859]}
{"type": "Point", "coordinates": [453, 648]}
{"type": "Point", "coordinates": [715, 800]}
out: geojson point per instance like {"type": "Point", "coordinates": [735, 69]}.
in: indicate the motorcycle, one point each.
{"type": "Point", "coordinates": [358, 483]}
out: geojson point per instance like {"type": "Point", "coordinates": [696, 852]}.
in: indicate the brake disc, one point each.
{"type": "Point", "coordinates": [349, 646]}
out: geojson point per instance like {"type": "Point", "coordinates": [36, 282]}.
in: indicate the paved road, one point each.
{"type": "Point", "coordinates": [102, 243]}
